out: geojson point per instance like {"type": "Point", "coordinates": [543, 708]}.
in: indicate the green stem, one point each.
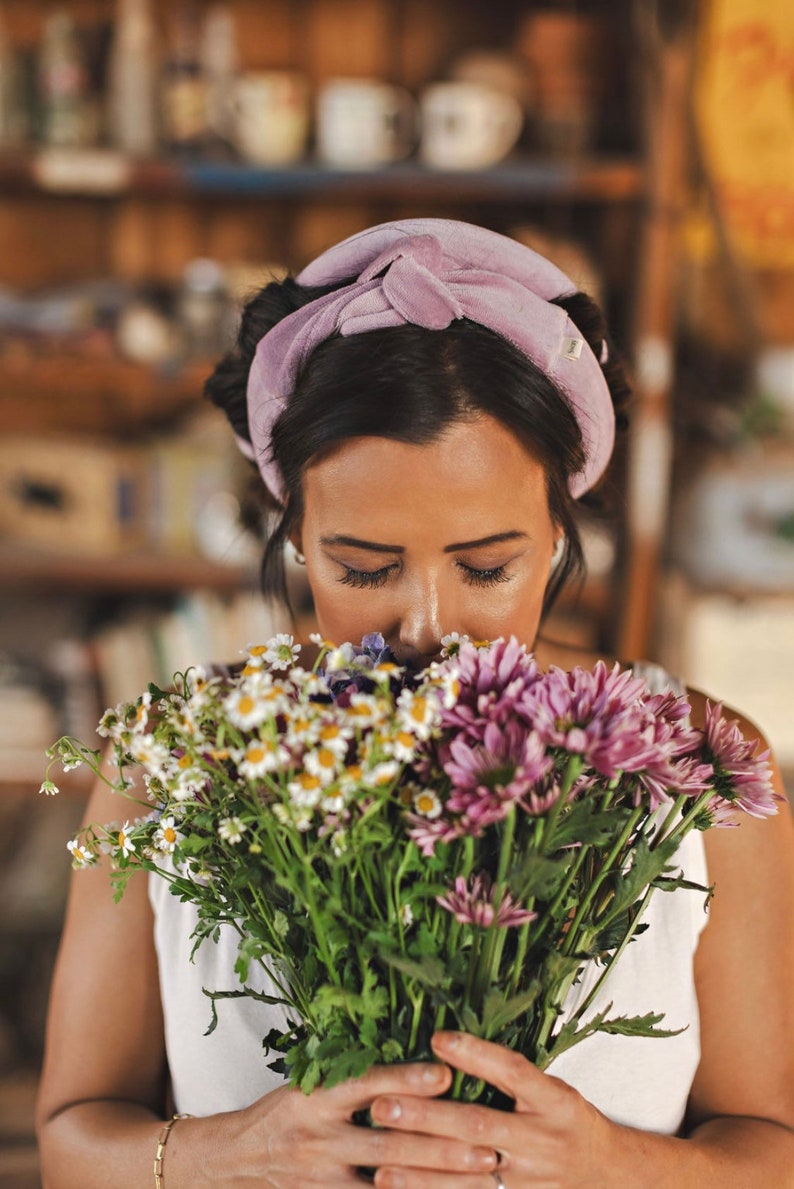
{"type": "Point", "coordinates": [602, 977]}
{"type": "Point", "coordinates": [607, 869]}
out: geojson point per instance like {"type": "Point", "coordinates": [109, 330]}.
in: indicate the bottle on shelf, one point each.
{"type": "Point", "coordinates": [64, 93]}
{"type": "Point", "coordinates": [7, 87]}
{"type": "Point", "coordinates": [219, 61]}
{"type": "Point", "coordinates": [184, 86]}
{"type": "Point", "coordinates": [132, 79]}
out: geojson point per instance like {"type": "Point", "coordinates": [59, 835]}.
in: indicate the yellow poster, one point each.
{"type": "Point", "coordinates": [744, 95]}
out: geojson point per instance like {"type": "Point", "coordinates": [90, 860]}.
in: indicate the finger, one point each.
{"type": "Point", "coordinates": [480, 1126]}
{"type": "Point", "coordinates": [500, 1067]}
{"type": "Point", "coordinates": [425, 1079]}
{"type": "Point", "coordinates": [391, 1149]}
{"type": "Point", "coordinates": [396, 1178]}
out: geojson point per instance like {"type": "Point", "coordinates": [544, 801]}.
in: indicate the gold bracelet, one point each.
{"type": "Point", "coordinates": [161, 1142]}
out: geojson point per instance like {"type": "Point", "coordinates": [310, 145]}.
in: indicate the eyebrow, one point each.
{"type": "Point", "coordinates": [458, 547]}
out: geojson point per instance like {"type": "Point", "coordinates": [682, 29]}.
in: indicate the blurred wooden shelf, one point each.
{"type": "Point", "coordinates": [104, 174]}
{"type": "Point", "coordinates": [134, 573]}
{"type": "Point", "coordinates": [93, 395]}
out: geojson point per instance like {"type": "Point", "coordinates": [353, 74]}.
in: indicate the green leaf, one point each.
{"type": "Point", "coordinates": [536, 875]}
{"type": "Point", "coordinates": [647, 865]}
{"type": "Point", "coordinates": [570, 1035]}
{"type": "Point", "coordinates": [585, 823]}
{"type": "Point", "coordinates": [498, 1012]}
{"type": "Point", "coordinates": [428, 971]}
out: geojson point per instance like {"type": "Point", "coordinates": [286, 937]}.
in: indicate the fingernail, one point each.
{"type": "Point", "coordinates": [391, 1180]}
{"type": "Point", "coordinates": [427, 1075]}
{"type": "Point", "coordinates": [447, 1040]}
{"type": "Point", "coordinates": [387, 1110]}
{"type": "Point", "coordinates": [481, 1159]}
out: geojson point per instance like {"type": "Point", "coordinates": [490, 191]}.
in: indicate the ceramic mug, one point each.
{"type": "Point", "coordinates": [364, 123]}
{"type": "Point", "coordinates": [467, 125]}
{"type": "Point", "coordinates": [271, 116]}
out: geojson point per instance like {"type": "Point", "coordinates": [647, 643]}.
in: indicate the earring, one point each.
{"type": "Point", "coordinates": [300, 559]}
{"type": "Point", "coordinates": [556, 557]}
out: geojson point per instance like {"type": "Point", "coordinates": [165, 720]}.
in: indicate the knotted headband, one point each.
{"type": "Point", "coordinates": [428, 272]}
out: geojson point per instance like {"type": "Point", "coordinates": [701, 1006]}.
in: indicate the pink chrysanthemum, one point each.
{"type": "Point", "coordinates": [474, 905]}
{"type": "Point", "coordinates": [742, 775]}
{"type": "Point", "coordinates": [426, 832]}
{"type": "Point", "coordinates": [490, 775]}
{"type": "Point", "coordinates": [596, 714]}
{"type": "Point", "coordinates": [491, 681]}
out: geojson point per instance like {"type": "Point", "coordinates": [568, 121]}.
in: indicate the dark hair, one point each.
{"type": "Point", "coordinates": [410, 383]}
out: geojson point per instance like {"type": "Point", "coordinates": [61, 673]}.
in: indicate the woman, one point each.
{"type": "Point", "coordinates": [425, 404]}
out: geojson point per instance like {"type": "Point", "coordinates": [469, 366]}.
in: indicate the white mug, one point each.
{"type": "Point", "coordinates": [271, 116]}
{"type": "Point", "coordinates": [467, 125]}
{"type": "Point", "coordinates": [364, 123]}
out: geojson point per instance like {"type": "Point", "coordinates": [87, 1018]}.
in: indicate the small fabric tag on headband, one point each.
{"type": "Point", "coordinates": [571, 347]}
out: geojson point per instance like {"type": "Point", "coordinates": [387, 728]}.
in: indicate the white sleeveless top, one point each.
{"type": "Point", "coordinates": [636, 1081]}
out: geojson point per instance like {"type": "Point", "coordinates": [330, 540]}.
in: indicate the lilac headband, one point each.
{"type": "Point", "coordinates": [428, 272]}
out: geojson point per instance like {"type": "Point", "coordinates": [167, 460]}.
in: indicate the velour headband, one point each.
{"type": "Point", "coordinates": [428, 272]}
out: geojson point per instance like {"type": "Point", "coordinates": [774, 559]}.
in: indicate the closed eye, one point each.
{"type": "Point", "coordinates": [367, 579]}
{"type": "Point", "coordinates": [489, 577]}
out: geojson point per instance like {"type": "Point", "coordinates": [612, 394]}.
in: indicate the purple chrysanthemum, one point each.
{"type": "Point", "coordinates": [474, 905]}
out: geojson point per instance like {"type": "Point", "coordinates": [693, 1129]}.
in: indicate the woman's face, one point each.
{"type": "Point", "coordinates": [419, 541]}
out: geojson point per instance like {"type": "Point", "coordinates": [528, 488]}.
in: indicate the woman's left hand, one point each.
{"type": "Point", "coordinates": [554, 1137]}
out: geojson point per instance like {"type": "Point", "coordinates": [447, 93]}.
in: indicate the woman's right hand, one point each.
{"type": "Point", "coordinates": [288, 1139]}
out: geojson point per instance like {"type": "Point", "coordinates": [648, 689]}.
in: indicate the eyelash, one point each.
{"type": "Point", "coordinates": [371, 579]}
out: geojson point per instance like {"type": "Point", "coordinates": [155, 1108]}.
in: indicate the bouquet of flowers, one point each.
{"type": "Point", "coordinates": [405, 852]}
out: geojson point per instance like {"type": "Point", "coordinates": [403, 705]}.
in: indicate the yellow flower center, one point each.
{"type": "Point", "coordinates": [419, 709]}
{"type": "Point", "coordinates": [169, 834]}
{"type": "Point", "coordinates": [308, 782]}
{"type": "Point", "coordinates": [405, 738]}
{"type": "Point", "coordinates": [184, 762]}
{"type": "Point", "coordinates": [326, 758]}
{"type": "Point", "coordinates": [255, 755]}
{"type": "Point", "coordinates": [425, 802]}
{"type": "Point", "coordinates": [246, 704]}
{"type": "Point", "coordinates": [329, 731]}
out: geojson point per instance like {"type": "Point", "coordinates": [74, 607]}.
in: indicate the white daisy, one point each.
{"type": "Point", "coordinates": [418, 713]}
{"type": "Point", "coordinates": [261, 756]}
{"type": "Point", "coordinates": [406, 914]}
{"type": "Point", "coordinates": [401, 745]}
{"type": "Point", "coordinates": [244, 709]}
{"type": "Point", "coordinates": [381, 774]}
{"type": "Point", "coordinates": [334, 736]}
{"type": "Point", "coordinates": [450, 644]}
{"type": "Point", "coordinates": [364, 710]}
{"type": "Point", "coordinates": [148, 752]}
{"type": "Point", "coordinates": [166, 835]}
{"type": "Point", "coordinates": [231, 829]}
{"type": "Point", "coordinates": [305, 790]}
{"type": "Point", "coordinates": [281, 651]}
{"type": "Point", "coordinates": [122, 842]}
{"type": "Point", "coordinates": [81, 855]}
{"type": "Point", "coordinates": [322, 763]}
{"type": "Point", "coordinates": [427, 804]}
{"type": "Point", "coordinates": [333, 803]}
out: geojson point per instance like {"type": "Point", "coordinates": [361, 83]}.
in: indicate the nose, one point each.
{"type": "Point", "coordinates": [419, 631]}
